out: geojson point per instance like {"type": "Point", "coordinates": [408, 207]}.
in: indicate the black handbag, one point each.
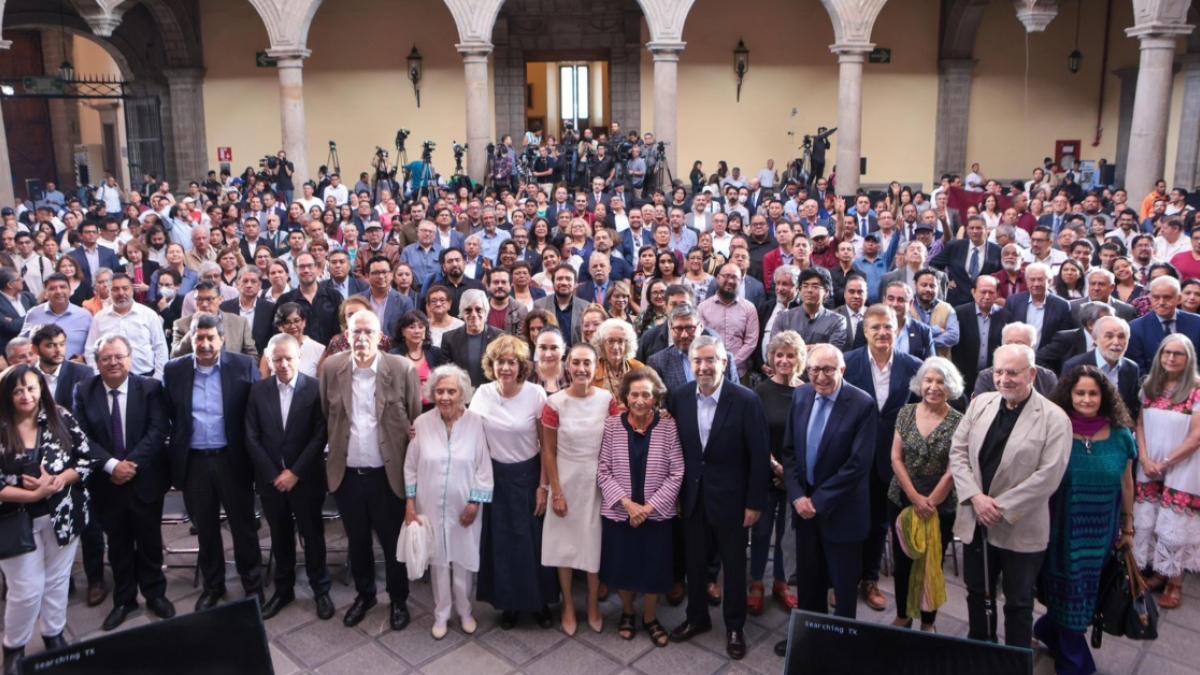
{"type": "Point", "coordinates": [1124, 607]}
{"type": "Point", "coordinates": [16, 533]}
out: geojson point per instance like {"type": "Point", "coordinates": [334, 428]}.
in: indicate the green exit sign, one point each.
{"type": "Point", "coordinates": [263, 61]}
{"type": "Point", "coordinates": [880, 55]}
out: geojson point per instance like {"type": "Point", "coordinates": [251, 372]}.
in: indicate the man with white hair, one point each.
{"type": "Point", "coordinates": [1110, 336]}
{"type": "Point", "coordinates": [202, 250]}
{"type": "Point", "coordinates": [464, 346]}
{"type": "Point", "coordinates": [1008, 456]}
{"type": "Point", "coordinates": [1046, 312]}
{"type": "Point", "coordinates": [1017, 333]}
{"type": "Point", "coordinates": [1147, 332]}
{"type": "Point", "coordinates": [1100, 285]}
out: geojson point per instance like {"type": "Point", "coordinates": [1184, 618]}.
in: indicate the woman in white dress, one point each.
{"type": "Point", "coordinates": [572, 428]}
{"type": "Point", "coordinates": [1166, 514]}
{"type": "Point", "coordinates": [291, 318]}
{"type": "Point", "coordinates": [447, 476]}
{"type": "Point", "coordinates": [511, 576]}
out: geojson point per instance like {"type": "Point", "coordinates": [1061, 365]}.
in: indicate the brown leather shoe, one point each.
{"type": "Point", "coordinates": [714, 594]}
{"type": "Point", "coordinates": [871, 595]}
{"type": "Point", "coordinates": [97, 592]}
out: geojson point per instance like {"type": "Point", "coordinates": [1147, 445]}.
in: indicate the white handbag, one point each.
{"type": "Point", "coordinates": [415, 546]}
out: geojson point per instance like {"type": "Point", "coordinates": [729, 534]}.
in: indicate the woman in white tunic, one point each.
{"type": "Point", "coordinates": [447, 476]}
{"type": "Point", "coordinates": [572, 428]}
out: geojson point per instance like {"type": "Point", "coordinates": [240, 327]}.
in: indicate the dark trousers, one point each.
{"type": "Point", "coordinates": [904, 564]}
{"type": "Point", "coordinates": [872, 549]}
{"type": "Point", "coordinates": [287, 513]}
{"type": "Point", "coordinates": [368, 505]}
{"type": "Point", "coordinates": [729, 542]}
{"type": "Point", "coordinates": [135, 547]}
{"type": "Point", "coordinates": [773, 520]}
{"type": "Point", "coordinates": [91, 540]}
{"type": "Point", "coordinates": [820, 564]}
{"type": "Point", "coordinates": [1072, 656]}
{"type": "Point", "coordinates": [1019, 572]}
{"type": "Point", "coordinates": [213, 483]}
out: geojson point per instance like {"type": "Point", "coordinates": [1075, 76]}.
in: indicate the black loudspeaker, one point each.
{"type": "Point", "coordinates": [862, 166]}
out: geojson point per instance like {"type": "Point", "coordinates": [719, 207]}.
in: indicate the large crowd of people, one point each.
{"type": "Point", "coordinates": [569, 373]}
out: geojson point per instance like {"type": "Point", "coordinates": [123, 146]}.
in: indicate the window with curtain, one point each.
{"type": "Point", "coordinates": [574, 86]}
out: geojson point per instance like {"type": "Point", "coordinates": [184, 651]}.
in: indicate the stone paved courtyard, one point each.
{"type": "Point", "coordinates": [300, 643]}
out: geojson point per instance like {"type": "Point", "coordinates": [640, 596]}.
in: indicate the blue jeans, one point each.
{"type": "Point", "coordinates": [774, 518]}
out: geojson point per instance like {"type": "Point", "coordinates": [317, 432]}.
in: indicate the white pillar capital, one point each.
{"type": "Point", "coordinates": [1035, 16]}
{"type": "Point", "coordinates": [475, 52]}
{"type": "Point", "coordinates": [661, 50]}
{"type": "Point", "coordinates": [851, 52]}
{"type": "Point", "coordinates": [1158, 35]}
{"type": "Point", "coordinates": [289, 57]}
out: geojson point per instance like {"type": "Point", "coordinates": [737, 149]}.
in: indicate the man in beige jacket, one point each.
{"type": "Point", "coordinates": [1008, 456]}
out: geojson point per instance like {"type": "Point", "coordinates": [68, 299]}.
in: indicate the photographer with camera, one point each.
{"type": "Point", "coordinates": [543, 169]}
{"type": "Point", "coordinates": [504, 168]}
{"type": "Point", "coordinates": [820, 143]}
{"type": "Point", "coordinates": [281, 171]}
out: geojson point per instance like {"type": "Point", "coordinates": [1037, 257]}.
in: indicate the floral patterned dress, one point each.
{"type": "Point", "coordinates": [1167, 512]}
{"type": "Point", "coordinates": [69, 508]}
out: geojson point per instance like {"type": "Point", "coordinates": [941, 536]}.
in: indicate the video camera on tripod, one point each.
{"type": "Point", "coordinates": [401, 136]}
{"type": "Point", "coordinates": [427, 149]}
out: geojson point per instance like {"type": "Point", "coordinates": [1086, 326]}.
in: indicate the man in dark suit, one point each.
{"type": "Point", "coordinates": [1100, 284]}
{"type": "Point", "coordinates": [865, 219]}
{"type": "Point", "coordinates": [912, 337]}
{"type": "Point", "coordinates": [252, 238]}
{"type": "Point", "coordinates": [828, 455]}
{"type": "Point", "coordinates": [1148, 332]}
{"type": "Point", "coordinates": [981, 324]}
{"type": "Point", "coordinates": [387, 302]}
{"type": "Point", "coordinates": [567, 307]}
{"type": "Point", "coordinates": [723, 429]}
{"type": "Point", "coordinates": [963, 260]}
{"type": "Point", "coordinates": [671, 363]}
{"type": "Point", "coordinates": [89, 256]}
{"type": "Point", "coordinates": [285, 436]}
{"type": "Point", "coordinates": [207, 393]}
{"type": "Point", "coordinates": [1111, 336]}
{"type": "Point", "coordinates": [125, 419]}
{"type": "Point", "coordinates": [15, 302]}
{"type": "Point", "coordinates": [637, 236]}
{"type": "Point", "coordinates": [1038, 307]}
{"type": "Point", "coordinates": [866, 368]}
{"type": "Point", "coordinates": [341, 276]}
{"type": "Point", "coordinates": [258, 312]}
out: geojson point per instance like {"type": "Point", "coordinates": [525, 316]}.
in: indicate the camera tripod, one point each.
{"type": "Point", "coordinates": [427, 177]}
{"type": "Point", "coordinates": [663, 179]}
{"type": "Point", "coordinates": [331, 160]}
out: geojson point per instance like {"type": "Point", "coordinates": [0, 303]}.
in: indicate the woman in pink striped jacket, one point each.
{"type": "Point", "coordinates": [639, 473]}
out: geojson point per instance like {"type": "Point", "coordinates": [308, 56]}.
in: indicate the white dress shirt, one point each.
{"type": "Point", "coordinates": [286, 390]}
{"type": "Point", "coordinates": [881, 378]}
{"type": "Point", "coordinates": [363, 451]}
{"type": "Point", "coordinates": [144, 330]}
{"type": "Point", "coordinates": [706, 409]}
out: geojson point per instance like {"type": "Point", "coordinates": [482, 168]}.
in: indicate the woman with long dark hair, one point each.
{"type": "Point", "coordinates": [43, 462]}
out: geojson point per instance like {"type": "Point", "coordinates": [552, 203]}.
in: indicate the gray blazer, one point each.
{"type": "Point", "coordinates": [578, 305]}
{"type": "Point", "coordinates": [828, 327]}
{"type": "Point", "coordinates": [1043, 384]}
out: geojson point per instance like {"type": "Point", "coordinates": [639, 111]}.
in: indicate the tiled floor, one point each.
{"type": "Point", "coordinates": [300, 643]}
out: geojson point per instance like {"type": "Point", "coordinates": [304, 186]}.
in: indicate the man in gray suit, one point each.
{"type": "Point", "coordinates": [1017, 333]}
{"type": "Point", "coordinates": [567, 307]}
{"type": "Point", "coordinates": [671, 363]}
{"type": "Point", "coordinates": [915, 258]}
{"type": "Point", "coordinates": [812, 320]}
{"type": "Point", "coordinates": [1100, 283]}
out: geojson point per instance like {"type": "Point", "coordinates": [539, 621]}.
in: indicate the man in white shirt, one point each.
{"type": "Point", "coordinates": [110, 193]}
{"type": "Point", "coordinates": [974, 179]}
{"type": "Point", "coordinates": [1171, 241]}
{"type": "Point", "coordinates": [34, 268]}
{"type": "Point", "coordinates": [337, 190]}
{"type": "Point", "coordinates": [137, 323]}
{"type": "Point", "coordinates": [309, 200]}
{"type": "Point", "coordinates": [768, 176]}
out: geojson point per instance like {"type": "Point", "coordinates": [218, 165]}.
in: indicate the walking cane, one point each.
{"type": "Point", "coordinates": [989, 594]}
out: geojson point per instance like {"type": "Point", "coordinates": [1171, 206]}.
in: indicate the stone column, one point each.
{"type": "Point", "coordinates": [1187, 159]}
{"type": "Point", "coordinates": [479, 121]}
{"type": "Point", "coordinates": [1128, 77]}
{"type": "Point", "coordinates": [290, 64]}
{"type": "Point", "coordinates": [666, 83]}
{"type": "Point", "coordinates": [1151, 107]}
{"type": "Point", "coordinates": [64, 112]}
{"type": "Point", "coordinates": [849, 127]}
{"type": "Point", "coordinates": [7, 195]}
{"type": "Point", "coordinates": [953, 111]}
{"type": "Point", "coordinates": [190, 147]}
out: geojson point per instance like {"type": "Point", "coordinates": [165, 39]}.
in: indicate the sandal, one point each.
{"type": "Point", "coordinates": [658, 634]}
{"type": "Point", "coordinates": [627, 627]}
{"type": "Point", "coordinates": [1172, 598]}
{"type": "Point", "coordinates": [1155, 582]}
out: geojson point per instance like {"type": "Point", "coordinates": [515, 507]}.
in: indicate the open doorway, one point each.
{"type": "Point", "coordinates": [567, 91]}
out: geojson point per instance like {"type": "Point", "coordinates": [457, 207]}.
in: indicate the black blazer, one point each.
{"type": "Point", "coordinates": [1065, 345]}
{"type": "Point", "coordinates": [264, 320]}
{"type": "Point", "coordinates": [11, 323]}
{"type": "Point", "coordinates": [301, 446]}
{"type": "Point", "coordinates": [731, 473]}
{"type": "Point", "coordinates": [70, 374]}
{"type": "Point", "coordinates": [238, 372]}
{"type": "Point", "coordinates": [965, 354]}
{"type": "Point", "coordinates": [840, 490]}
{"type": "Point", "coordinates": [455, 350]}
{"type": "Point", "coordinates": [146, 429]}
{"type": "Point", "coordinates": [858, 373]}
{"type": "Point", "coordinates": [1056, 317]}
{"type": "Point", "coordinates": [953, 261]}
{"type": "Point", "coordinates": [1129, 379]}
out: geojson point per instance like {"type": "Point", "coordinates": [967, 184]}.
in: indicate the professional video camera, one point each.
{"type": "Point", "coordinates": [427, 149]}
{"type": "Point", "coordinates": [380, 153]}
{"type": "Point", "coordinates": [401, 136]}
{"type": "Point", "coordinates": [459, 149]}
{"type": "Point", "coordinates": [624, 148]}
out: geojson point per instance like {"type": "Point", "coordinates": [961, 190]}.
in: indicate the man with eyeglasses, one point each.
{"type": "Point", "coordinates": [322, 302]}
{"type": "Point", "coordinates": [387, 303]}
{"type": "Point", "coordinates": [464, 346]}
{"type": "Point", "coordinates": [735, 319]}
{"type": "Point", "coordinates": [672, 363]}
{"type": "Point", "coordinates": [1147, 333]}
{"type": "Point", "coordinates": [452, 275]}
{"type": "Point", "coordinates": [236, 332]}
{"type": "Point", "coordinates": [812, 320]}
{"type": "Point", "coordinates": [135, 322]}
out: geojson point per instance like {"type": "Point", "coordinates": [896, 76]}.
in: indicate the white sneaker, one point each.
{"type": "Point", "coordinates": [439, 630]}
{"type": "Point", "coordinates": [468, 625]}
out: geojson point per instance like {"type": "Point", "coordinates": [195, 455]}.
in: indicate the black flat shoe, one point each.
{"type": "Point", "coordinates": [508, 619]}
{"type": "Point", "coordinates": [117, 617]}
{"type": "Point", "coordinates": [324, 607]}
{"type": "Point", "coordinates": [276, 604]}
{"type": "Point", "coordinates": [161, 607]}
{"type": "Point", "coordinates": [54, 641]}
{"type": "Point", "coordinates": [12, 660]}
{"type": "Point", "coordinates": [781, 648]}
{"type": "Point", "coordinates": [358, 610]}
{"type": "Point", "coordinates": [209, 599]}
{"type": "Point", "coordinates": [544, 618]}
{"type": "Point", "coordinates": [688, 630]}
{"type": "Point", "coordinates": [735, 645]}
{"type": "Point", "coordinates": [399, 616]}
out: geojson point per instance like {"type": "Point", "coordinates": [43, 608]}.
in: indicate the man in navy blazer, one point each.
{"type": "Point", "coordinates": [1055, 312]}
{"type": "Point", "coordinates": [125, 419]}
{"type": "Point", "coordinates": [726, 448]}
{"type": "Point", "coordinates": [287, 448]}
{"type": "Point", "coordinates": [974, 350]}
{"type": "Point", "coordinates": [208, 456]}
{"type": "Point", "coordinates": [50, 344]}
{"type": "Point", "coordinates": [89, 234]}
{"type": "Point", "coordinates": [1147, 332]}
{"type": "Point", "coordinates": [379, 276]}
{"type": "Point", "coordinates": [828, 485]}
{"type": "Point", "coordinates": [898, 368]}
{"type": "Point", "coordinates": [1111, 336]}
{"type": "Point", "coordinates": [15, 303]}
{"type": "Point", "coordinates": [963, 260]}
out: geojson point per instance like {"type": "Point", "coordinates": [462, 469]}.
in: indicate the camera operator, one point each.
{"type": "Point", "coordinates": [820, 143]}
{"type": "Point", "coordinates": [281, 170]}
{"type": "Point", "coordinates": [504, 171]}
{"type": "Point", "coordinates": [635, 169]}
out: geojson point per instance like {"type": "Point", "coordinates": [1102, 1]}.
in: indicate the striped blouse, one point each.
{"type": "Point", "coordinates": [664, 469]}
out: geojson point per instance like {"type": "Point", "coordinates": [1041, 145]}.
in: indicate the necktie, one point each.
{"type": "Point", "coordinates": [600, 295]}
{"type": "Point", "coordinates": [973, 265]}
{"type": "Point", "coordinates": [862, 226]}
{"type": "Point", "coordinates": [1057, 224]}
{"type": "Point", "coordinates": [1169, 326]}
{"type": "Point", "coordinates": [118, 429]}
{"type": "Point", "coordinates": [816, 429]}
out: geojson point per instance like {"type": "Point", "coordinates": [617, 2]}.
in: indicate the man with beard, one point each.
{"type": "Point", "coordinates": [504, 313]}
{"type": "Point", "coordinates": [1011, 278]}
{"type": "Point", "coordinates": [452, 277]}
{"type": "Point", "coordinates": [937, 314]}
{"type": "Point", "coordinates": [137, 323]}
{"type": "Point", "coordinates": [322, 302]}
{"type": "Point", "coordinates": [566, 306]}
{"type": "Point", "coordinates": [735, 319]}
